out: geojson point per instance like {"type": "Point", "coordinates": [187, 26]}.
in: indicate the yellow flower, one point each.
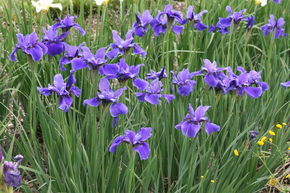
{"type": "Point", "coordinates": [260, 143]}
{"type": "Point", "coordinates": [288, 176]}
{"type": "Point", "coordinates": [264, 139]}
{"type": "Point", "coordinates": [201, 177]}
{"type": "Point", "coordinates": [272, 133]}
{"type": "Point", "coordinates": [284, 124]}
{"type": "Point", "coordinates": [212, 181]}
{"type": "Point", "coordinates": [100, 2]}
{"type": "Point", "coordinates": [262, 2]}
{"type": "Point", "coordinates": [273, 181]}
{"type": "Point", "coordinates": [271, 140]}
{"type": "Point", "coordinates": [236, 152]}
{"type": "Point", "coordinates": [289, 148]}
{"type": "Point", "coordinates": [45, 5]}
{"type": "Point", "coordinates": [279, 126]}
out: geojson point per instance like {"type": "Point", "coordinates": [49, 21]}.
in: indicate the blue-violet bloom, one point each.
{"type": "Point", "coordinates": [30, 45]}
{"type": "Point", "coordinates": [137, 141]}
{"type": "Point", "coordinates": [192, 122]}
{"type": "Point", "coordinates": [151, 92]}
{"type": "Point", "coordinates": [12, 176]}
{"type": "Point", "coordinates": [274, 27]}
{"type": "Point", "coordinates": [67, 23]}
{"type": "Point", "coordinates": [63, 90]}
{"type": "Point", "coordinates": [142, 21]}
{"type": "Point", "coordinates": [184, 82]}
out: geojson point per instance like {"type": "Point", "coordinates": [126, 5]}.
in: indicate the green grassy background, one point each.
{"type": "Point", "coordinates": [68, 152]}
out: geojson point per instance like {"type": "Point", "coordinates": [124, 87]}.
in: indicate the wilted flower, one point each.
{"type": "Point", "coordinates": [107, 95]}
{"type": "Point", "coordinates": [136, 140]}
{"type": "Point", "coordinates": [253, 134]}
{"type": "Point", "coordinates": [45, 5]}
{"type": "Point", "coordinates": [285, 84]}
{"type": "Point", "coordinates": [192, 122]}
{"type": "Point", "coordinates": [63, 90]}
{"type": "Point", "coordinates": [250, 21]}
{"type": "Point", "coordinates": [121, 46]}
{"type": "Point", "coordinates": [160, 22]}
{"type": "Point", "coordinates": [30, 45]}
{"type": "Point", "coordinates": [142, 21]}
{"type": "Point", "coordinates": [67, 23]}
{"type": "Point", "coordinates": [274, 27]}
{"type": "Point", "coordinates": [151, 92]}
{"type": "Point", "coordinates": [184, 82]}
{"type": "Point", "coordinates": [120, 71]}
{"type": "Point", "coordinates": [12, 176]}
{"type": "Point", "coordinates": [196, 18]}
{"type": "Point", "coordinates": [55, 43]}
{"type": "Point", "coordinates": [154, 75]}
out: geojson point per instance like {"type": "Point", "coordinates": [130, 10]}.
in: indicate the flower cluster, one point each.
{"type": "Point", "coordinates": [246, 82]}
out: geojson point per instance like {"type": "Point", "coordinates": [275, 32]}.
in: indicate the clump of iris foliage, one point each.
{"type": "Point", "coordinates": [145, 97]}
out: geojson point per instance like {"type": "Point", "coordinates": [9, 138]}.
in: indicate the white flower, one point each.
{"type": "Point", "coordinates": [262, 2]}
{"type": "Point", "coordinates": [100, 2]}
{"type": "Point", "coordinates": [45, 5]}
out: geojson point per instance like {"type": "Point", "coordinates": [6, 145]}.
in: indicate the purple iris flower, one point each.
{"type": "Point", "coordinates": [30, 45]}
{"type": "Point", "coordinates": [81, 57]}
{"type": "Point", "coordinates": [12, 176]}
{"type": "Point", "coordinates": [121, 46]}
{"type": "Point", "coordinates": [192, 122]}
{"type": "Point", "coordinates": [160, 22]}
{"type": "Point", "coordinates": [55, 43]}
{"type": "Point", "coordinates": [120, 71]}
{"type": "Point", "coordinates": [67, 23]}
{"type": "Point", "coordinates": [274, 27]}
{"type": "Point", "coordinates": [214, 74]}
{"type": "Point", "coordinates": [136, 140]}
{"type": "Point", "coordinates": [184, 82]}
{"type": "Point", "coordinates": [253, 134]}
{"type": "Point", "coordinates": [63, 90]}
{"type": "Point", "coordinates": [224, 24]}
{"type": "Point", "coordinates": [277, 1]}
{"type": "Point", "coordinates": [196, 18]}
{"type": "Point", "coordinates": [250, 21]}
{"type": "Point", "coordinates": [142, 21]}
{"type": "Point", "coordinates": [285, 84]}
{"type": "Point", "coordinates": [249, 82]}
{"type": "Point", "coordinates": [107, 95]}
{"type": "Point", "coordinates": [151, 92]}
{"type": "Point", "coordinates": [154, 75]}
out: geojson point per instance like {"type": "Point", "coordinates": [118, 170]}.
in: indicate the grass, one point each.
{"type": "Point", "coordinates": [68, 152]}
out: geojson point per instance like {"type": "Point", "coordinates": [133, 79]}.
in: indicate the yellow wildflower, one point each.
{"type": "Point", "coordinates": [271, 140]}
{"type": "Point", "coordinates": [212, 181]}
{"type": "Point", "coordinates": [201, 177]}
{"type": "Point", "coordinates": [236, 152]}
{"type": "Point", "coordinates": [284, 124]}
{"type": "Point", "coordinates": [272, 133]}
{"type": "Point", "coordinates": [289, 148]}
{"type": "Point", "coordinates": [288, 176]}
{"type": "Point", "coordinates": [264, 139]}
{"type": "Point", "coordinates": [273, 181]}
{"type": "Point", "coordinates": [279, 126]}
{"type": "Point", "coordinates": [260, 143]}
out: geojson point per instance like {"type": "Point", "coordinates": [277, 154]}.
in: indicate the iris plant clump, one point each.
{"type": "Point", "coordinates": [81, 57]}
